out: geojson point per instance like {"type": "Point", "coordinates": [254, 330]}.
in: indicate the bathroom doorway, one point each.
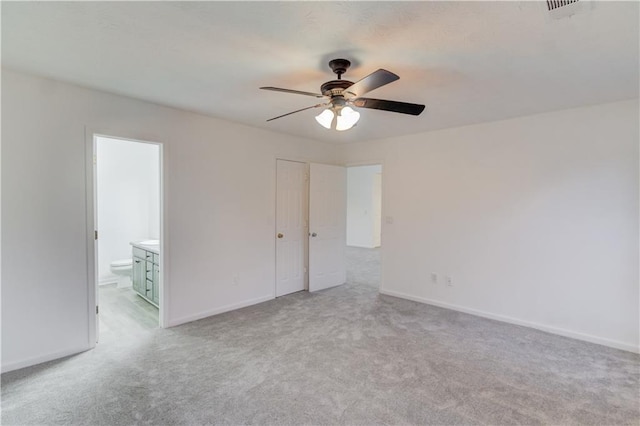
{"type": "Point", "coordinates": [364, 224]}
{"type": "Point", "coordinates": [127, 195]}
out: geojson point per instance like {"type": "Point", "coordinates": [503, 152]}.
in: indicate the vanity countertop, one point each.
{"type": "Point", "coordinates": [148, 245]}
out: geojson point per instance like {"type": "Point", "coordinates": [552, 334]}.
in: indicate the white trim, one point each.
{"type": "Point", "coordinates": [41, 358]}
{"type": "Point", "coordinates": [163, 308]}
{"type": "Point", "coordinates": [92, 254]}
{"type": "Point", "coordinates": [91, 135]}
{"type": "Point", "coordinates": [220, 310]}
{"type": "Point", "coordinates": [111, 279]}
{"type": "Point", "coordinates": [379, 162]}
{"type": "Point", "coordinates": [503, 318]}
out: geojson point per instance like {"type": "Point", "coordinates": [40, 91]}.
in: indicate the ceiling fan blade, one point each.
{"type": "Point", "coordinates": [295, 92]}
{"type": "Point", "coordinates": [393, 106]}
{"type": "Point", "coordinates": [293, 112]}
{"type": "Point", "coordinates": [371, 82]}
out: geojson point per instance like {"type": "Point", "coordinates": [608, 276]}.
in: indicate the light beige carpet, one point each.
{"type": "Point", "coordinates": [341, 356]}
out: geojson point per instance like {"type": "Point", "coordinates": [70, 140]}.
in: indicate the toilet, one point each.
{"type": "Point", "coordinates": [122, 269]}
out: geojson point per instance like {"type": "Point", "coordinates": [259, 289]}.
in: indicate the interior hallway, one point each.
{"type": "Point", "coordinates": [363, 266]}
{"type": "Point", "coordinates": [341, 356]}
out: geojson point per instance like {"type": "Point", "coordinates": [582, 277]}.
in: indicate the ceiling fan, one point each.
{"type": "Point", "coordinates": [341, 95]}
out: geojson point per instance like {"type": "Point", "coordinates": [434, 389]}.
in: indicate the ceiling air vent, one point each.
{"type": "Point", "coordinates": [559, 9]}
{"type": "Point", "coordinates": [554, 4]}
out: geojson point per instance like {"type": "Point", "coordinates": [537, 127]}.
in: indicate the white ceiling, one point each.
{"type": "Point", "coordinates": [469, 62]}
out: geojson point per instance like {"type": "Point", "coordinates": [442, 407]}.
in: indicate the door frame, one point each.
{"type": "Point", "coordinates": [91, 136]}
{"type": "Point", "coordinates": [383, 208]}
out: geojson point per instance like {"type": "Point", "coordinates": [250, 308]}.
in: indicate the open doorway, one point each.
{"type": "Point", "coordinates": [364, 224]}
{"type": "Point", "coordinates": [128, 221]}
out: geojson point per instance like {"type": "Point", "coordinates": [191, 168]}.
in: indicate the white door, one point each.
{"type": "Point", "coordinates": [291, 226]}
{"type": "Point", "coordinates": [327, 226]}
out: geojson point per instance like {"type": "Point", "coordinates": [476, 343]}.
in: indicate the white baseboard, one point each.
{"type": "Point", "coordinates": [40, 359]}
{"type": "Point", "coordinates": [549, 329]}
{"type": "Point", "coordinates": [220, 310]}
{"type": "Point", "coordinates": [112, 279]}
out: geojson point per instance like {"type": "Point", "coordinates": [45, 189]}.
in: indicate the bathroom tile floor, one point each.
{"type": "Point", "coordinates": [124, 314]}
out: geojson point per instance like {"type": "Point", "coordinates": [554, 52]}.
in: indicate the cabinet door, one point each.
{"type": "Point", "coordinates": [156, 283]}
{"type": "Point", "coordinates": [139, 275]}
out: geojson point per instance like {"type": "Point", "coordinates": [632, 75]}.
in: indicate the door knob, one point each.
{"type": "Point", "coordinates": [314, 235]}
{"type": "Point", "coordinates": [280, 235]}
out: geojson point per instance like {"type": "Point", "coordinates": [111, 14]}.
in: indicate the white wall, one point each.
{"type": "Point", "coordinates": [362, 207]}
{"type": "Point", "coordinates": [535, 219]}
{"type": "Point", "coordinates": [128, 198]}
{"type": "Point", "coordinates": [220, 192]}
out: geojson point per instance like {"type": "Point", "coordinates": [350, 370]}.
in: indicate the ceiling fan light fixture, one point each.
{"type": "Point", "coordinates": [347, 118]}
{"type": "Point", "coordinates": [325, 118]}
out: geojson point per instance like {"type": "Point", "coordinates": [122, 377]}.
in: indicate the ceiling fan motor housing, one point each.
{"type": "Point", "coordinates": [334, 87]}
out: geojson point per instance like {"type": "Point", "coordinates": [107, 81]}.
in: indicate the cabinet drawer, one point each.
{"type": "Point", "coordinates": [156, 259]}
{"type": "Point", "coordinates": [139, 253]}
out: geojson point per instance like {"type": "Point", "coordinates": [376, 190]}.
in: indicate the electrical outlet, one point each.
{"type": "Point", "coordinates": [448, 280]}
{"type": "Point", "coordinates": [434, 278]}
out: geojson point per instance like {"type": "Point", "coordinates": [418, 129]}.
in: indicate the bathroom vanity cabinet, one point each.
{"type": "Point", "coordinates": [146, 273]}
